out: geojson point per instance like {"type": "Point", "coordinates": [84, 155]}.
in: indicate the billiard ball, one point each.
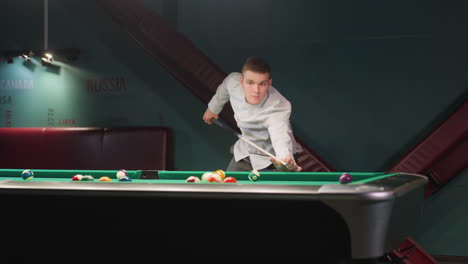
{"type": "Point", "coordinates": [221, 173]}
{"type": "Point", "coordinates": [27, 175]}
{"type": "Point", "coordinates": [125, 178]}
{"type": "Point", "coordinates": [87, 178]}
{"type": "Point", "coordinates": [214, 178]}
{"type": "Point", "coordinates": [345, 178]}
{"type": "Point", "coordinates": [206, 175]}
{"type": "Point", "coordinates": [105, 179]}
{"type": "Point", "coordinates": [77, 177]}
{"type": "Point", "coordinates": [121, 173]}
{"type": "Point", "coordinates": [192, 179]}
{"type": "Point", "coordinates": [254, 175]}
{"type": "Point", "coordinates": [230, 180]}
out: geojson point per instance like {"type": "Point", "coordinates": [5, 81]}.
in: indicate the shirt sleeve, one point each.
{"type": "Point", "coordinates": [221, 96]}
{"type": "Point", "coordinates": [280, 130]}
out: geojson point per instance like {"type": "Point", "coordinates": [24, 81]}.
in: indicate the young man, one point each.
{"type": "Point", "coordinates": [262, 114]}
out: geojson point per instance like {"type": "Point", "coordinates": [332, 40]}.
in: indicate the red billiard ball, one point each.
{"type": "Point", "coordinates": [193, 179]}
{"type": "Point", "coordinates": [205, 176]}
{"type": "Point", "coordinates": [230, 179]}
{"type": "Point", "coordinates": [214, 178]}
{"type": "Point", "coordinates": [345, 178]}
{"type": "Point", "coordinates": [77, 177]}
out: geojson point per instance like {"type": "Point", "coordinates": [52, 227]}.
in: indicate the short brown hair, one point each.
{"type": "Point", "coordinates": [256, 64]}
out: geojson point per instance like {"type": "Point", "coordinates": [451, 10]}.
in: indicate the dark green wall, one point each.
{"type": "Point", "coordinates": [151, 96]}
{"type": "Point", "coordinates": [364, 78]}
{"type": "Point", "coordinates": [442, 229]}
{"type": "Point", "coordinates": [367, 79]}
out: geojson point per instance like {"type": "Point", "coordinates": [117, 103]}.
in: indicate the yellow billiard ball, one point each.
{"type": "Point", "coordinates": [221, 174]}
{"type": "Point", "coordinates": [105, 179]}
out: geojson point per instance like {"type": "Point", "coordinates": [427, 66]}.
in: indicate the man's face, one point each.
{"type": "Point", "coordinates": [255, 86]}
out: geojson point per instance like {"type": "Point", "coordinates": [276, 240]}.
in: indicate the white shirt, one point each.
{"type": "Point", "coordinates": [266, 124]}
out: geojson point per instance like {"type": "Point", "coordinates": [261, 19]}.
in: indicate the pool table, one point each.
{"type": "Point", "coordinates": [282, 214]}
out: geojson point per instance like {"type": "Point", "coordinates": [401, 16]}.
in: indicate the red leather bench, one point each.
{"type": "Point", "coordinates": [93, 148]}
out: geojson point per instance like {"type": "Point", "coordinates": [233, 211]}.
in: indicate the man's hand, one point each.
{"type": "Point", "coordinates": [291, 164]}
{"type": "Point", "coordinates": [208, 115]}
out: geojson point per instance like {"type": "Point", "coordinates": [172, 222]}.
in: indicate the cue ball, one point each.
{"type": "Point", "coordinates": [121, 173]}
{"type": "Point", "coordinates": [254, 175]}
{"type": "Point", "coordinates": [27, 175]}
{"type": "Point", "coordinates": [193, 179]}
{"type": "Point", "coordinates": [346, 178]}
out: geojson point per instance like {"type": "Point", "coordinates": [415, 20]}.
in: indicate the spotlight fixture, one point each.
{"type": "Point", "coordinates": [26, 55]}
{"type": "Point", "coordinates": [47, 59]}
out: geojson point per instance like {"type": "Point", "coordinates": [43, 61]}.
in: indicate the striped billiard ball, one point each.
{"type": "Point", "coordinates": [125, 178]}
{"type": "Point", "coordinates": [254, 175]}
{"type": "Point", "coordinates": [221, 173]}
{"type": "Point", "coordinates": [121, 173]}
{"type": "Point", "coordinates": [192, 179]}
{"type": "Point", "coordinates": [27, 175]}
{"type": "Point", "coordinates": [77, 177]}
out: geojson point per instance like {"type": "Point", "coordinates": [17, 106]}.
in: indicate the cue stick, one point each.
{"type": "Point", "coordinates": [221, 124]}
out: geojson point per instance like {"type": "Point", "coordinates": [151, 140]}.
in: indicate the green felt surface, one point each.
{"type": "Point", "coordinates": [281, 178]}
{"type": "Point", "coordinates": [66, 173]}
{"type": "Point", "coordinates": [317, 177]}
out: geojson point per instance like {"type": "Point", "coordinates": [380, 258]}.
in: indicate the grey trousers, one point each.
{"type": "Point", "coordinates": [245, 165]}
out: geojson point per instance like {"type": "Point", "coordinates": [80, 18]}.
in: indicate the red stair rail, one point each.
{"type": "Point", "coordinates": [442, 154]}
